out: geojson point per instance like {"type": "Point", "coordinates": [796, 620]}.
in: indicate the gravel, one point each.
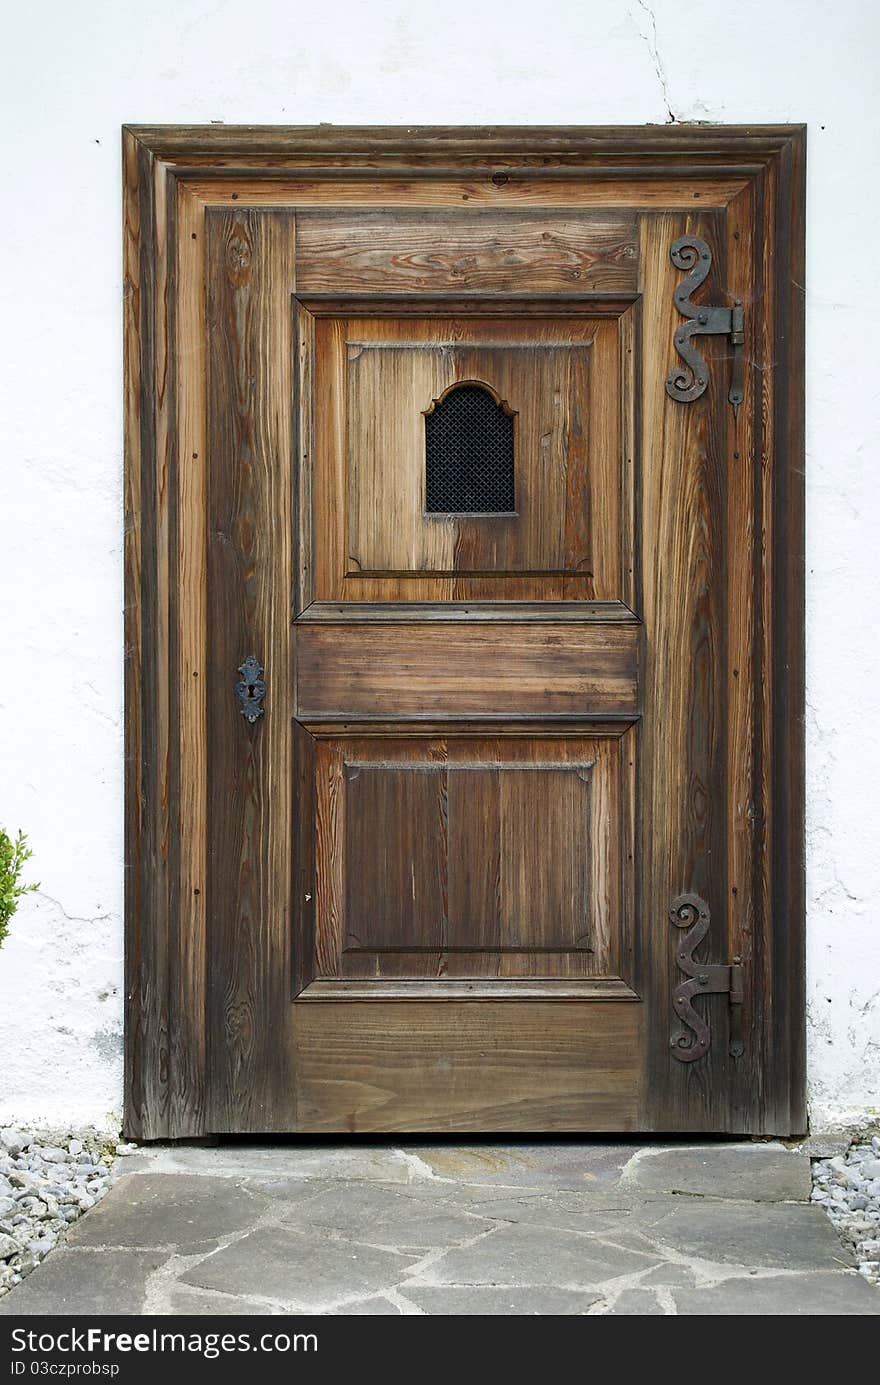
{"type": "Point", "coordinates": [848, 1187]}
{"type": "Point", "coordinates": [45, 1185]}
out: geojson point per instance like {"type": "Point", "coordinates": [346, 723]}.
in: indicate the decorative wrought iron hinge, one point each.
{"type": "Point", "coordinates": [691, 912]}
{"type": "Point", "coordinates": [689, 381]}
{"type": "Point", "coordinates": [251, 689]}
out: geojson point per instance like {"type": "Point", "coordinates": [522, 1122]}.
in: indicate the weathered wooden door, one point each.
{"type": "Point", "coordinates": [485, 553]}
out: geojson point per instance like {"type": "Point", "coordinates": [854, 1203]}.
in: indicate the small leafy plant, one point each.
{"type": "Point", "coordinates": [13, 855]}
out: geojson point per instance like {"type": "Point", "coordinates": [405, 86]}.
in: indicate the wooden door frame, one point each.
{"type": "Point", "coordinates": [171, 173]}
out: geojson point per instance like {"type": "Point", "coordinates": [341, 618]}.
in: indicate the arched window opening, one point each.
{"type": "Point", "coordinates": [469, 453]}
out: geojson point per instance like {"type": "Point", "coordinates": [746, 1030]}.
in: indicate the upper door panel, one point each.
{"type": "Point", "coordinates": [563, 375]}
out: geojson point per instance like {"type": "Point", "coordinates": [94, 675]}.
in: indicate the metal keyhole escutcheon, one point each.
{"type": "Point", "coordinates": [251, 688]}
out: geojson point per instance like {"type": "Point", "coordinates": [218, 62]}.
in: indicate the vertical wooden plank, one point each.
{"type": "Point", "coordinates": [304, 872]}
{"type": "Point", "coordinates": [684, 769]}
{"type": "Point", "coordinates": [330, 855]}
{"type": "Point", "coordinates": [395, 857]}
{"type": "Point", "coordinates": [303, 424]}
{"type": "Point", "coordinates": [189, 963]}
{"type": "Point", "coordinates": [475, 849]}
{"type": "Point", "coordinates": [250, 281]}
{"type": "Point", "coordinates": [629, 405]}
{"type": "Point", "coordinates": [328, 559]}
{"type": "Point", "coordinates": [546, 826]}
{"type": "Point", "coordinates": [784, 266]}
{"type": "Point", "coordinates": [137, 345]}
{"type": "Point", "coordinates": [747, 920]}
{"type": "Point", "coordinates": [148, 642]}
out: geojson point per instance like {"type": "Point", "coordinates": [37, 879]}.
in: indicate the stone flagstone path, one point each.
{"type": "Point", "coordinates": [555, 1228]}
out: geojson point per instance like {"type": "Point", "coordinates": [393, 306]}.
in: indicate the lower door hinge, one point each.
{"type": "Point", "coordinates": [691, 912]}
{"type": "Point", "coordinates": [687, 382]}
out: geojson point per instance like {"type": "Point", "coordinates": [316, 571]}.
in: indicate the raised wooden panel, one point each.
{"type": "Point", "coordinates": [528, 1065]}
{"type": "Point", "coordinates": [479, 857]}
{"type": "Point", "coordinates": [352, 250]}
{"type": "Point", "coordinates": [391, 386]}
{"type": "Point", "coordinates": [567, 378]}
{"type": "Point", "coordinates": [470, 670]}
{"type": "Point", "coordinates": [445, 857]}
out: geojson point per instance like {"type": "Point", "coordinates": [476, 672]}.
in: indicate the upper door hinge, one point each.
{"type": "Point", "coordinates": [691, 912]}
{"type": "Point", "coordinates": [689, 381]}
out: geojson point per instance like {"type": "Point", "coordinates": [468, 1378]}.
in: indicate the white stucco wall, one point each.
{"type": "Point", "coordinates": [73, 71]}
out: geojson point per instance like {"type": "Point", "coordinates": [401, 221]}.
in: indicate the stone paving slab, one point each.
{"type": "Point", "coordinates": [366, 1308]}
{"type": "Point", "coordinates": [793, 1295]}
{"type": "Point", "coordinates": [779, 1236]}
{"type": "Point", "coordinates": [637, 1303]}
{"type": "Point", "coordinates": [82, 1283]}
{"type": "Point", "coordinates": [384, 1216]}
{"type": "Point", "coordinates": [490, 1301]}
{"type": "Point", "coordinates": [563, 1228]}
{"type": "Point", "coordinates": [759, 1172]}
{"type": "Point", "coordinates": [182, 1213]}
{"type": "Point", "coordinates": [306, 1272]}
{"type": "Point", "coordinates": [581, 1167]}
{"type": "Point", "coordinates": [539, 1255]}
{"type": "Point", "coordinates": [199, 1303]}
{"type": "Point", "coordinates": [292, 1161]}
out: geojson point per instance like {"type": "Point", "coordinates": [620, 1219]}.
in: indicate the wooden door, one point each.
{"type": "Point", "coordinates": [477, 629]}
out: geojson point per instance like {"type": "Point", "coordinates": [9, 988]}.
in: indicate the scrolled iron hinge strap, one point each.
{"type": "Point", "coordinates": [691, 912]}
{"type": "Point", "coordinates": [687, 382]}
{"type": "Point", "coordinates": [251, 688]}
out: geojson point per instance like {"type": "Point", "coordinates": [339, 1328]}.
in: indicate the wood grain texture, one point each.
{"type": "Point", "coordinates": [460, 612]}
{"type": "Point", "coordinates": [528, 1065]}
{"type": "Point", "coordinates": [421, 251]}
{"type": "Point", "coordinates": [304, 834]}
{"type": "Point", "coordinates": [684, 799]}
{"type": "Point", "coordinates": [151, 757]}
{"type": "Point", "coordinates": [565, 377]}
{"type": "Point", "coordinates": [782, 278]}
{"type": "Point", "coordinates": [469, 989]}
{"type": "Point", "coordinates": [523, 189]}
{"type": "Point", "coordinates": [250, 278]}
{"type": "Point", "coordinates": [143, 937]}
{"type": "Point", "coordinates": [472, 670]}
{"type": "Point", "coordinates": [396, 857]}
{"type": "Point", "coordinates": [392, 385]}
{"type": "Point", "coordinates": [189, 1035]}
{"type": "Point", "coordinates": [367, 147]}
{"type": "Point", "coordinates": [444, 858]}
{"type": "Point", "coordinates": [740, 694]}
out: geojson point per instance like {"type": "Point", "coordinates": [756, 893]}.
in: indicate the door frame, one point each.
{"type": "Point", "coordinates": [171, 174]}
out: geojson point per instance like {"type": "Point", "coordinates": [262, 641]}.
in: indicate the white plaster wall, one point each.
{"type": "Point", "coordinates": [72, 73]}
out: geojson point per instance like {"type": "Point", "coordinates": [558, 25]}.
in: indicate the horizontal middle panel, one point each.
{"type": "Point", "coordinates": [434, 671]}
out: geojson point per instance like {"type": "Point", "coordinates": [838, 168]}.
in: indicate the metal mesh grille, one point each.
{"type": "Point", "coordinates": [469, 455]}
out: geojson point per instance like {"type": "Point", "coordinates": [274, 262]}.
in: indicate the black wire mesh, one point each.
{"type": "Point", "coordinates": [469, 455]}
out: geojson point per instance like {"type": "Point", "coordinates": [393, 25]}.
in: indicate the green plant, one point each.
{"type": "Point", "coordinates": [13, 855]}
